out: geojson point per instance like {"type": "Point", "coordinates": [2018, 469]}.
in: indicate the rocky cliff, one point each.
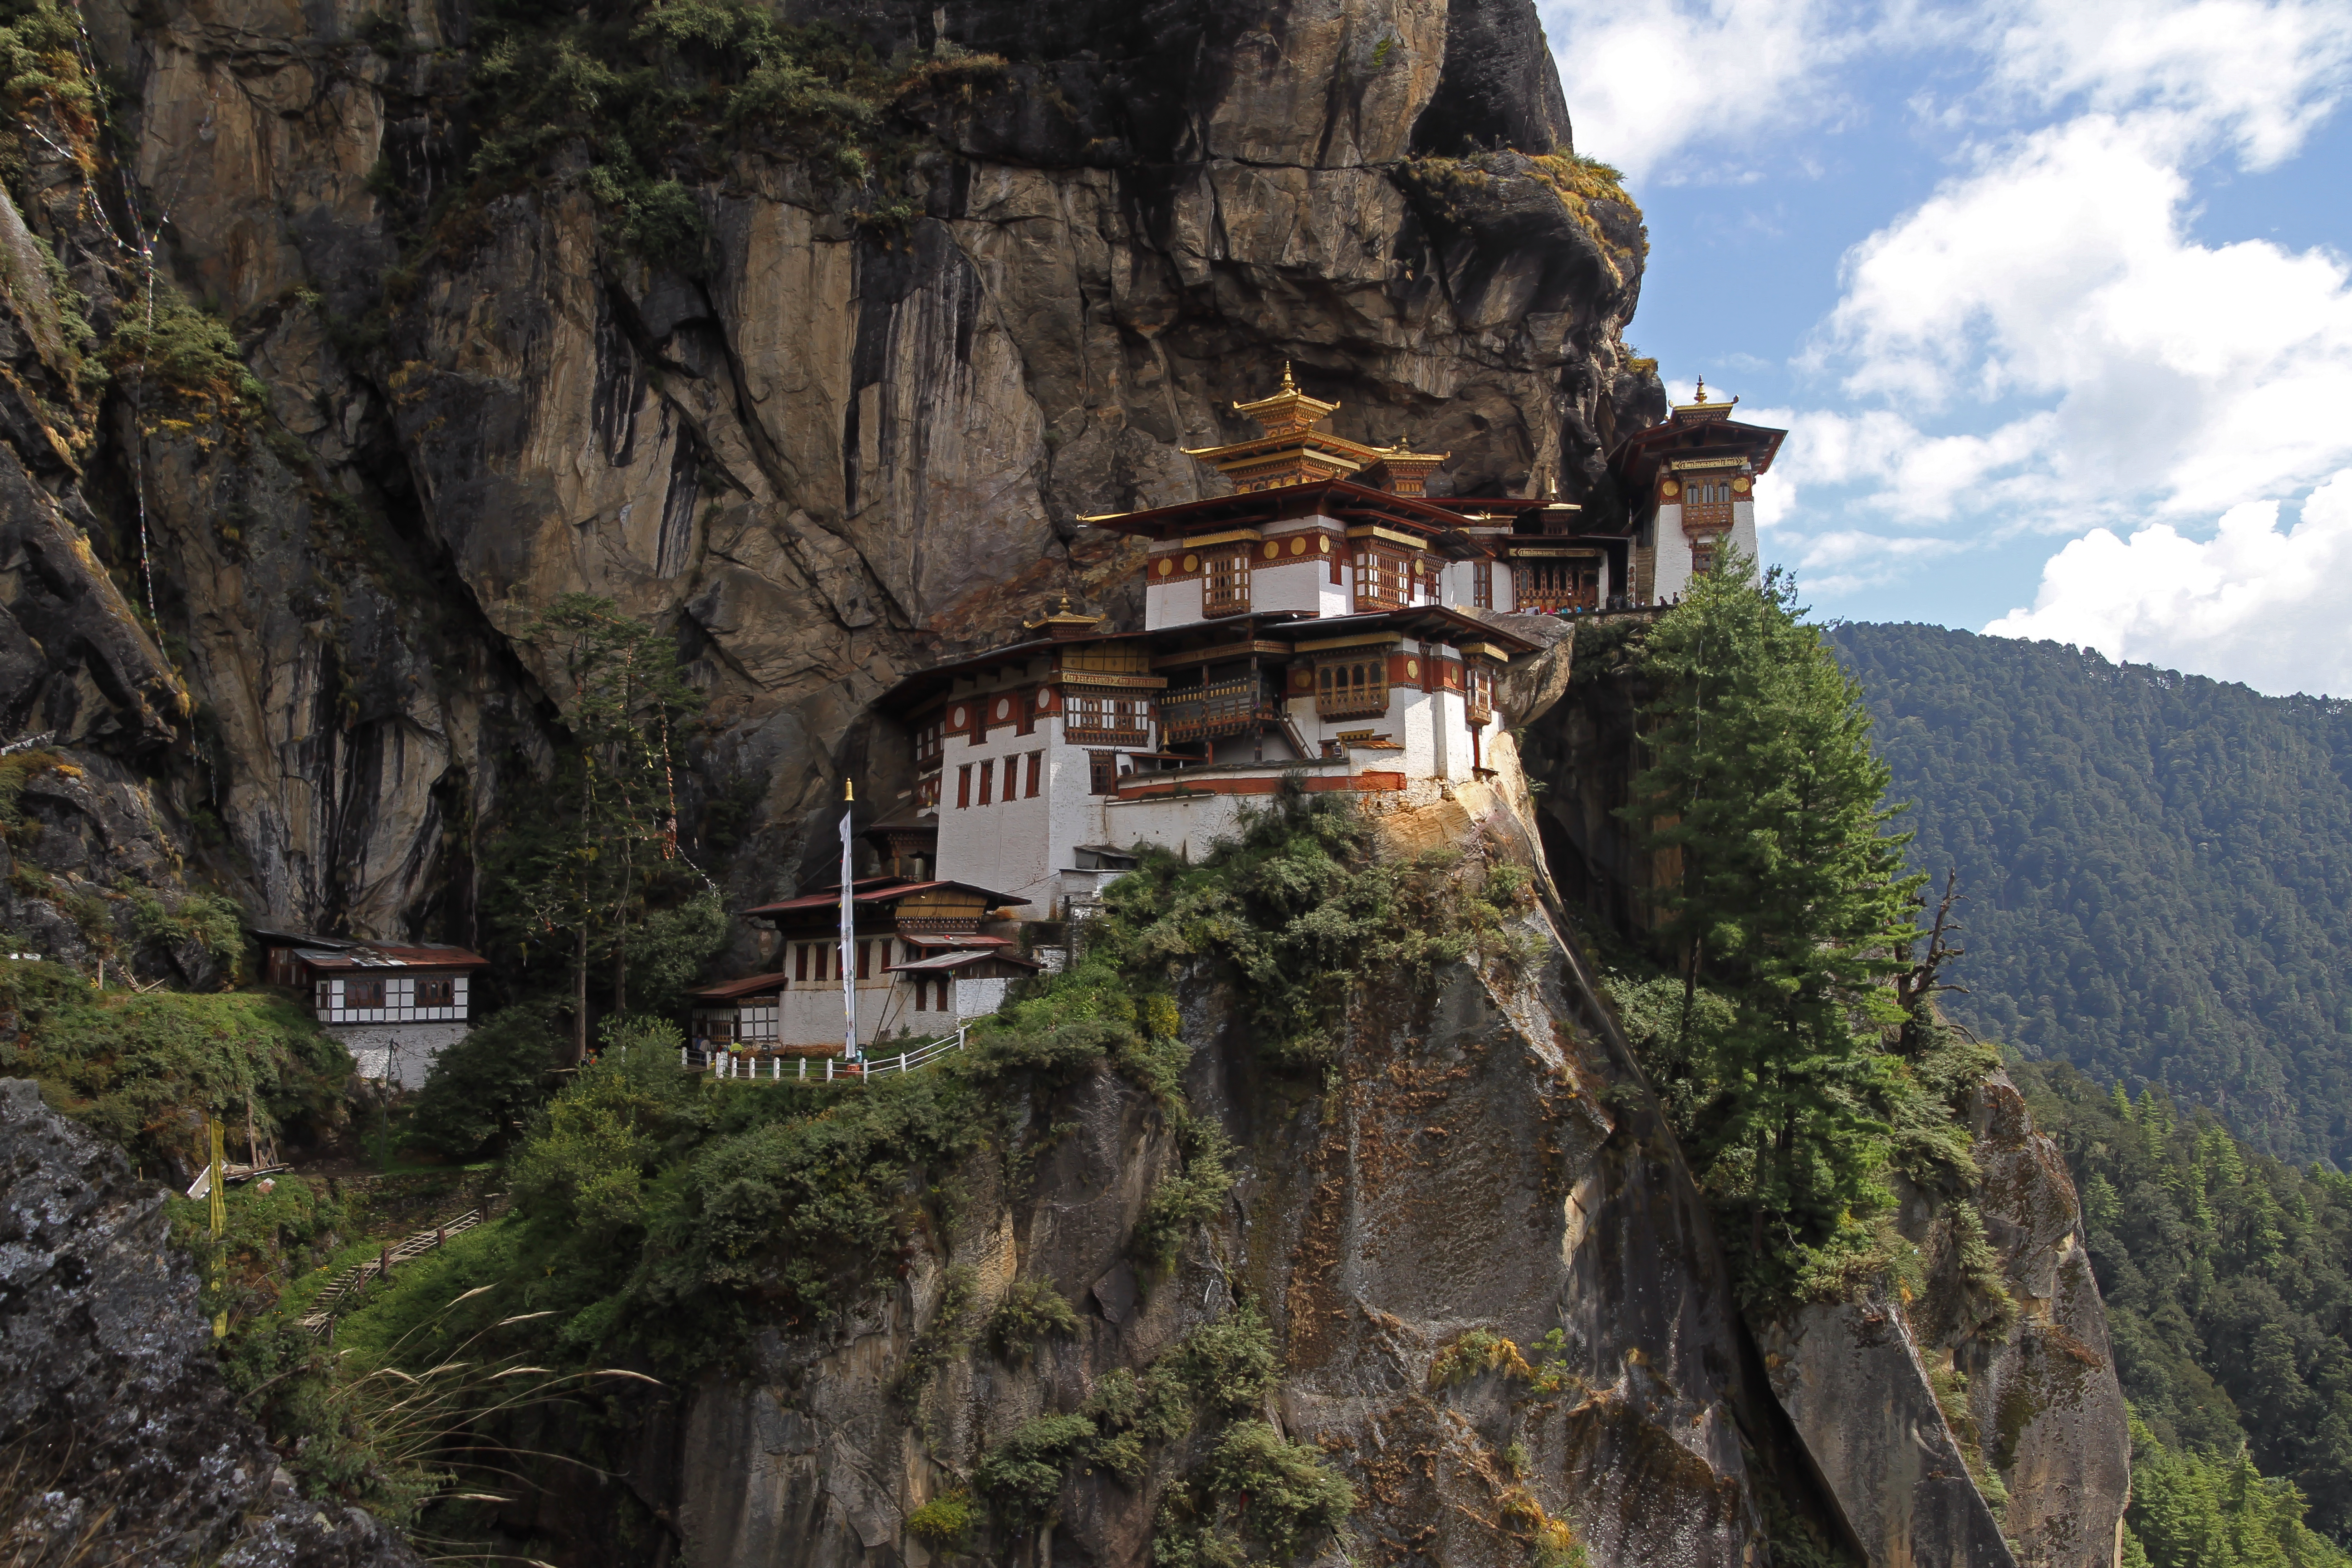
{"type": "Point", "coordinates": [119, 1441]}
{"type": "Point", "coordinates": [270, 559]}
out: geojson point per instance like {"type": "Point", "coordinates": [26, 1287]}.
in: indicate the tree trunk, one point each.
{"type": "Point", "coordinates": [579, 998]}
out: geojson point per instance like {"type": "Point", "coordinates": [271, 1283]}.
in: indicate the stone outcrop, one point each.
{"type": "Point", "coordinates": [1479, 1160]}
{"type": "Point", "coordinates": [117, 1432]}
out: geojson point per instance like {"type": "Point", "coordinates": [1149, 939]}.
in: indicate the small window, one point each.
{"type": "Point", "coordinates": [1383, 580]}
{"type": "Point", "coordinates": [362, 993]}
{"type": "Point", "coordinates": [1225, 588]}
{"type": "Point", "coordinates": [864, 962]}
{"type": "Point", "coordinates": [987, 782]}
{"type": "Point", "coordinates": [963, 786]}
{"type": "Point", "coordinates": [1482, 584]}
{"type": "Point", "coordinates": [800, 960]}
{"type": "Point", "coordinates": [1102, 772]}
{"type": "Point", "coordinates": [1036, 771]}
{"type": "Point", "coordinates": [436, 993]}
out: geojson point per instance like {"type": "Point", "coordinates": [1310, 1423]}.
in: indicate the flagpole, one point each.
{"type": "Point", "coordinates": [848, 932]}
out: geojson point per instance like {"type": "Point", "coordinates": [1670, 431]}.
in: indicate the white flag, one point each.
{"type": "Point", "coordinates": [848, 934]}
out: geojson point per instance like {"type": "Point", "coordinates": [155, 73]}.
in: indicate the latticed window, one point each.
{"type": "Point", "coordinates": [436, 993]}
{"type": "Point", "coordinates": [1225, 582]}
{"type": "Point", "coordinates": [927, 742]}
{"type": "Point", "coordinates": [1102, 772]}
{"type": "Point", "coordinates": [1707, 503]}
{"type": "Point", "coordinates": [1349, 688]}
{"type": "Point", "coordinates": [1478, 692]}
{"type": "Point", "coordinates": [362, 993]}
{"type": "Point", "coordinates": [1482, 584]}
{"type": "Point", "coordinates": [1092, 717]}
{"type": "Point", "coordinates": [1383, 580]}
{"type": "Point", "coordinates": [1703, 556]}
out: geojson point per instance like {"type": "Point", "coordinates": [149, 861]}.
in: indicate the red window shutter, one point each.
{"type": "Point", "coordinates": [800, 960]}
{"type": "Point", "coordinates": [863, 964]}
{"type": "Point", "coordinates": [964, 786]}
{"type": "Point", "coordinates": [1036, 767]}
{"type": "Point", "coordinates": [987, 782]}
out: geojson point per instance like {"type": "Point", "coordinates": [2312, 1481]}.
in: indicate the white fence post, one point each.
{"type": "Point", "coordinates": [804, 1070]}
{"type": "Point", "coordinates": [828, 1069]}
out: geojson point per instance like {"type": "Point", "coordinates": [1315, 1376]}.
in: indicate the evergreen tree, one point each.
{"type": "Point", "coordinates": [585, 874]}
{"type": "Point", "coordinates": [1782, 888]}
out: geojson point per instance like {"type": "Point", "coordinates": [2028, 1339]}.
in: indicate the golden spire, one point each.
{"type": "Point", "coordinates": [1702, 391]}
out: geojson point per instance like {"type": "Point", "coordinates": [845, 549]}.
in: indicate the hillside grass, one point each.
{"type": "Point", "coordinates": [144, 1068]}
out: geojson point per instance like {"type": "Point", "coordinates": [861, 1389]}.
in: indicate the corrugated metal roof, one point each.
{"type": "Point", "coordinates": [729, 990]}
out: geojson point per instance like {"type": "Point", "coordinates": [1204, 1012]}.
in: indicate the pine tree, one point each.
{"type": "Point", "coordinates": [1783, 891]}
{"type": "Point", "coordinates": [584, 874]}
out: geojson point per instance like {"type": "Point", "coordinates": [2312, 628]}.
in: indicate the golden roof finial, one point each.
{"type": "Point", "coordinates": [1287, 384]}
{"type": "Point", "coordinates": [1552, 486]}
{"type": "Point", "coordinates": [1702, 391]}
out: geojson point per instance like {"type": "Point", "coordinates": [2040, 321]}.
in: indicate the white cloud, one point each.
{"type": "Point", "coordinates": [1649, 79]}
{"type": "Point", "coordinates": [2053, 348]}
{"type": "Point", "coordinates": [2262, 76]}
{"type": "Point", "coordinates": [2252, 604]}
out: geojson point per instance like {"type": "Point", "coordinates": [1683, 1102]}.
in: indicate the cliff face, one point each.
{"type": "Point", "coordinates": [829, 448]}
{"type": "Point", "coordinates": [1478, 1161]}
{"type": "Point", "coordinates": [123, 1442]}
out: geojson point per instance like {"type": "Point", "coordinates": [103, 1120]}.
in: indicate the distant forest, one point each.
{"type": "Point", "coordinates": [2157, 868]}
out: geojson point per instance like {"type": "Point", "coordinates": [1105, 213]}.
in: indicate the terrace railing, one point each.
{"type": "Point", "coordinates": [829, 1069]}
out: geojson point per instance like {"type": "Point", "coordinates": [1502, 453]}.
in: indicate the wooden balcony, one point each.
{"type": "Point", "coordinates": [1234, 706]}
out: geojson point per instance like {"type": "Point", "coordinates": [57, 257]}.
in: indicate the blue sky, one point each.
{"type": "Point", "coordinates": [2053, 295]}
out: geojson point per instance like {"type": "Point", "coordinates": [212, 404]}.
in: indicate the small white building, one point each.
{"type": "Point", "coordinates": [920, 964]}
{"type": "Point", "coordinates": [393, 1007]}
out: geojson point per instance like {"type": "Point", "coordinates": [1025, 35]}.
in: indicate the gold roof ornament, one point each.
{"type": "Point", "coordinates": [1289, 449]}
{"type": "Point", "coordinates": [1064, 622]}
{"type": "Point", "coordinates": [1405, 472]}
{"type": "Point", "coordinates": [1702, 408]}
{"type": "Point", "coordinates": [1290, 412]}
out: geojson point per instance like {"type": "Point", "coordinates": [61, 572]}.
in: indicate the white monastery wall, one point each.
{"type": "Point", "coordinates": [1673, 555]}
{"type": "Point", "coordinates": [398, 1053]}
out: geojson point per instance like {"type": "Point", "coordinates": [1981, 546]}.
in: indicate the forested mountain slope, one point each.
{"type": "Point", "coordinates": [2158, 868]}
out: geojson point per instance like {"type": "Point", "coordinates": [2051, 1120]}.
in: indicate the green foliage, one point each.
{"type": "Point", "coordinates": [2216, 1510]}
{"type": "Point", "coordinates": [1189, 1196]}
{"type": "Point", "coordinates": [19, 827]}
{"type": "Point", "coordinates": [2228, 1281]}
{"type": "Point", "coordinates": [1023, 1475]}
{"type": "Point", "coordinates": [1291, 1494]}
{"type": "Point", "coordinates": [212, 923]}
{"type": "Point", "coordinates": [943, 1522]}
{"type": "Point", "coordinates": [144, 1068]}
{"type": "Point", "coordinates": [1031, 1310]}
{"type": "Point", "coordinates": [1473, 1355]}
{"type": "Point", "coordinates": [1784, 896]}
{"type": "Point", "coordinates": [2157, 866]}
{"type": "Point", "coordinates": [184, 361]}
{"type": "Point", "coordinates": [645, 96]}
{"type": "Point", "coordinates": [1229, 1363]}
{"type": "Point", "coordinates": [38, 65]}
{"type": "Point", "coordinates": [591, 872]}
{"type": "Point", "coordinates": [1299, 907]}
{"type": "Point", "coordinates": [946, 1336]}
{"type": "Point", "coordinates": [479, 1092]}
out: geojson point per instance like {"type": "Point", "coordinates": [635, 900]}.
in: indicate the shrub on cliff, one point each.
{"type": "Point", "coordinates": [479, 1091]}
